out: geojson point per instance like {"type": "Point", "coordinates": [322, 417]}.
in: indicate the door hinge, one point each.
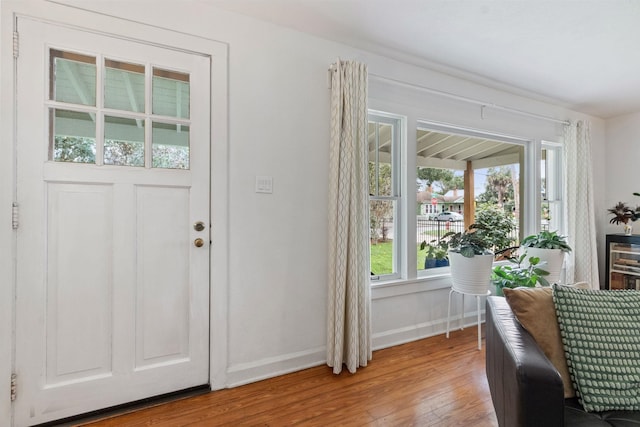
{"type": "Point", "coordinates": [14, 215]}
{"type": "Point", "coordinates": [15, 44]}
{"type": "Point", "coordinates": [14, 386]}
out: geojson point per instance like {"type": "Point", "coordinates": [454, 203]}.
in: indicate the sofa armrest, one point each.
{"type": "Point", "coordinates": [525, 387]}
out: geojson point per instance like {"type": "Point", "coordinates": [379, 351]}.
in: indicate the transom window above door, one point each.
{"type": "Point", "coordinates": [106, 111]}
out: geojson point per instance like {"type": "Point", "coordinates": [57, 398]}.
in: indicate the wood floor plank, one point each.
{"type": "Point", "coordinates": [430, 382]}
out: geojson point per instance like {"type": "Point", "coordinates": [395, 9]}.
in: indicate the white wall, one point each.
{"type": "Point", "coordinates": [622, 157]}
{"type": "Point", "coordinates": [278, 126]}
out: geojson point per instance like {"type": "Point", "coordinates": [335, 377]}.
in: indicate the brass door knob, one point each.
{"type": "Point", "coordinates": [198, 242]}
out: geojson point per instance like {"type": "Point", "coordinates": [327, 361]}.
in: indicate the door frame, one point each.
{"type": "Point", "coordinates": [137, 31]}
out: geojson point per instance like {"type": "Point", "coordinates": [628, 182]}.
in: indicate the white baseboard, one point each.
{"type": "Point", "coordinates": [245, 373]}
{"type": "Point", "coordinates": [407, 334]}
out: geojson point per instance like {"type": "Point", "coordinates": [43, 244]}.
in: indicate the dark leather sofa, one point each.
{"type": "Point", "coordinates": [525, 387]}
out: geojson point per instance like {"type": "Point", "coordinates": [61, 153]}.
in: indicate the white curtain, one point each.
{"type": "Point", "coordinates": [582, 262]}
{"type": "Point", "coordinates": [349, 305]}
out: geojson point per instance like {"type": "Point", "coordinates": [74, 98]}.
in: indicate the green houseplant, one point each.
{"type": "Point", "coordinates": [550, 247]}
{"type": "Point", "coordinates": [468, 243]}
{"type": "Point", "coordinates": [519, 273]}
{"type": "Point", "coordinates": [436, 255]}
{"type": "Point", "coordinates": [430, 258]}
{"type": "Point", "coordinates": [546, 240]}
{"type": "Point", "coordinates": [471, 259]}
{"type": "Point", "coordinates": [442, 258]}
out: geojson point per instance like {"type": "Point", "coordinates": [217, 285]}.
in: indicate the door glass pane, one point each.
{"type": "Point", "coordinates": [124, 86]}
{"type": "Point", "coordinates": [170, 146]}
{"type": "Point", "coordinates": [123, 141]}
{"type": "Point", "coordinates": [170, 93]}
{"type": "Point", "coordinates": [73, 137]}
{"type": "Point", "coordinates": [72, 78]}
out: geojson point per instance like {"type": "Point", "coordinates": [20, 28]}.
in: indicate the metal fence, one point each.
{"type": "Point", "coordinates": [430, 229]}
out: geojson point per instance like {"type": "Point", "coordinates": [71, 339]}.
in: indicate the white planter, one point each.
{"type": "Point", "coordinates": [554, 259]}
{"type": "Point", "coordinates": [471, 275]}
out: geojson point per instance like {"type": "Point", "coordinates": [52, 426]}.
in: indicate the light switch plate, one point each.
{"type": "Point", "coordinates": [264, 184]}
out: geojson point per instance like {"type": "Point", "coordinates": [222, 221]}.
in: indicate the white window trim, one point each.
{"type": "Point", "coordinates": [407, 274]}
{"type": "Point", "coordinates": [420, 112]}
{"type": "Point", "coordinates": [529, 196]}
{"type": "Point", "coordinates": [558, 181]}
{"type": "Point", "coordinates": [398, 185]}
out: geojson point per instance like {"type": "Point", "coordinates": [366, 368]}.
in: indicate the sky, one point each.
{"type": "Point", "coordinates": [480, 179]}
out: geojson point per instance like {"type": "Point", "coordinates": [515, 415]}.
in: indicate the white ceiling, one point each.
{"type": "Point", "coordinates": [582, 53]}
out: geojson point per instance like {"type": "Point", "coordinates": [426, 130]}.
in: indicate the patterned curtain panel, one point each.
{"type": "Point", "coordinates": [582, 262]}
{"type": "Point", "coordinates": [349, 305]}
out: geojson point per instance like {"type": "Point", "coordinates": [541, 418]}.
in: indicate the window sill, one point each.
{"type": "Point", "coordinates": [425, 283]}
{"type": "Point", "coordinates": [396, 287]}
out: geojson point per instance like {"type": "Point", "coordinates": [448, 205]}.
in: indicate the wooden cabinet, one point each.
{"type": "Point", "coordinates": [623, 262]}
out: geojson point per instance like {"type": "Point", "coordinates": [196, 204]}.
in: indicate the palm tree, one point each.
{"type": "Point", "coordinates": [500, 180]}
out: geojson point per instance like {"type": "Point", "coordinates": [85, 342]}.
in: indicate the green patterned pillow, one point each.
{"type": "Point", "coordinates": [601, 336]}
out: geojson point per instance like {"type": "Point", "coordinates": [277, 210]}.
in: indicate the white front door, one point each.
{"type": "Point", "coordinates": [113, 140]}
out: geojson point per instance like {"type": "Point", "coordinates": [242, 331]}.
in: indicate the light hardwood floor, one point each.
{"type": "Point", "coordinates": [431, 382]}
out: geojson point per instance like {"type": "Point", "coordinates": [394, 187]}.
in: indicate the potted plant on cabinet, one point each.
{"type": "Point", "coordinates": [622, 214]}
{"type": "Point", "coordinates": [519, 274]}
{"type": "Point", "coordinates": [471, 259]}
{"type": "Point", "coordinates": [550, 248]}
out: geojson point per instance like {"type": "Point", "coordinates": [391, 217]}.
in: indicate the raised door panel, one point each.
{"type": "Point", "coordinates": [162, 297]}
{"type": "Point", "coordinates": [79, 279]}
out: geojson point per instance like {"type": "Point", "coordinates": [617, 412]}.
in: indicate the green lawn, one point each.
{"type": "Point", "coordinates": [381, 258]}
{"type": "Point", "coordinates": [432, 233]}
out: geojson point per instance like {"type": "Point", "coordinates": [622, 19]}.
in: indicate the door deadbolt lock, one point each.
{"type": "Point", "coordinates": [198, 242]}
{"type": "Point", "coordinates": [198, 226]}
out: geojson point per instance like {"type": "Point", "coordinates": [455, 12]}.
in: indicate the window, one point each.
{"type": "Point", "coordinates": [139, 117]}
{"type": "Point", "coordinates": [458, 176]}
{"type": "Point", "coordinates": [384, 139]}
{"type": "Point", "coordinates": [551, 187]}
{"type": "Point", "coordinates": [464, 177]}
